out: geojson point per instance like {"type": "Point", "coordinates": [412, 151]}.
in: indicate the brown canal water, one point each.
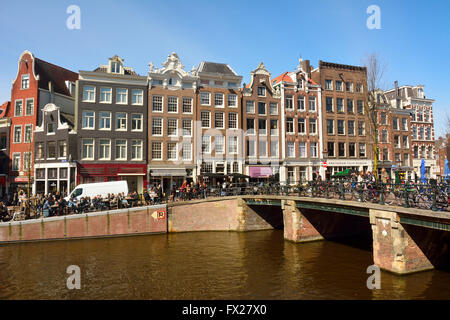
{"type": "Point", "coordinates": [205, 265]}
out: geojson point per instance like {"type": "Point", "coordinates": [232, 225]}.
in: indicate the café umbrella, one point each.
{"type": "Point", "coordinates": [447, 169]}
{"type": "Point", "coordinates": [423, 178]}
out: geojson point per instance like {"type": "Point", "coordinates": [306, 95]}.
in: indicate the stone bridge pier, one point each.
{"type": "Point", "coordinates": [398, 246]}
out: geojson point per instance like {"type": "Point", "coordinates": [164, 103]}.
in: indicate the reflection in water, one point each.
{"type": "Point", "coordinates": [204, 265]}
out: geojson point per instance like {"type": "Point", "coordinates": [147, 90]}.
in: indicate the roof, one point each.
{"type": "Point", "coordinates": [284, 77]}
{"type": "Point", "coordinates": [4, 109]}
{"type": "Point", "coordinates": [56, 74]}
{"type": "Point", "coordinates": [218, 68]}
{"type": "Point", "coordinates": [126, 70]}
{"type": "Point", "coordinates": [340, 66]}
{"type": "Point", "coordinates": [68, 118]}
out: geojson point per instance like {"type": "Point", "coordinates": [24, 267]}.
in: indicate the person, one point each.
{"type": "Point", "coordinates": [160, 193]}
{"type": "Point", "coordinates": [4, 216]}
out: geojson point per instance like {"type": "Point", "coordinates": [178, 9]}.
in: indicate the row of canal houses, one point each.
{"type": "Point", "coordinates": [63, 128]}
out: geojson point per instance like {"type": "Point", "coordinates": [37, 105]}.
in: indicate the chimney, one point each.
{"type": "Point", "coordinates": [51, 91]}
{"type": "Point", "coordinates": [306, 66]}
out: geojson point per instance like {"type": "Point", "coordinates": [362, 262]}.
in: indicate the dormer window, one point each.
{"type": "Point", "coordinates": [115, 67]}
{"type": "Point", "coordinates": [300, 83]}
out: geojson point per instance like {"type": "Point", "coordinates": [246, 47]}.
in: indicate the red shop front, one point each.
{"type": "Point", "coordinates": [134, 174]}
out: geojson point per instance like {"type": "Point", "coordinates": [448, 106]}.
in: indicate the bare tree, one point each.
{"type": "Point", "coordinates": [375, 72]}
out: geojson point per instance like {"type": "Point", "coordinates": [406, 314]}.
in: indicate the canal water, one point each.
{"type": "Point", "coordinates": [205, 265]}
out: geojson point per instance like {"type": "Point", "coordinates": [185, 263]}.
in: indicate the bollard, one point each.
{"type": "Point", "coordinates": [382, 193]}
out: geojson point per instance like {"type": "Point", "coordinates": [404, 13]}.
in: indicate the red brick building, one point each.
{"type": "Point", "coordinates": [37, 83]}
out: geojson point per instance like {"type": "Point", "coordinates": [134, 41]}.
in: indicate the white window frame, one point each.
{"type": "Point", "coordinates": [90, 92]}
{"type": "Point", "coordinates": [250, 103]}
{"type": "Point", "coordinates": [232, 98]}
{"type": "Point", "coordinates": [26, 107]}
{"type": "Point", "coordinates": [161, 150]}
{"type": "Point", "coordinates": [93, 120]}
{"type": "Point", "coordinates": [116, 122]}
{"type": "Point", "coordinates": [20, 161]}
{"type": "Point", "coordinates": [162, 126]}
{"type": "Point", "coordinates": [14, 134]}
{"type": "Point", "coordinates": [220, 96]}
{"type": "Point", "coordinates": [100, 120]}
{"type": "Point", "coordinates": [230, 140]}
{"type": "Point", "coordinates": [223, 120]}
{"type": "Point", "coordinates": [230, 114]}
{"type": "Point", "coordinates": [183, 130]}
{"type": "Point", "coordinates": [139, 93]}
{"type": "Point", "coordinates": [183, 145]}
{"type": "Point", "coordinates": [209, 119]}
{"type": "Point", "coordinates": [220, 150]}
{"type": "Point", "coordinates": [133, 147]}
{"type": "Point", "coordinates": [82, 149]}
{"type": "Point", "coordinates": [27, 77]}
{"type": "Point", "coordinates": [209, 144]}
{"type": "Point", "coordinates": [169, 127]}
{"type": "Point", "coordinates": [169, 98]}
{"type": "Point", "coordinates": [25, 133]}
{"type": "Point", "coordinates": [190, 105]}
{"type": "Point", "coordinates": [102, 93]}
{"type": "Point", "coordinates": [203, 96]}
{"type": "Point", "coordinates": [120, 95]}
{"type": "Point", "coordinates": [100, 145]}
{"type": "Point", "coordinates": [288, 145]}
{"type": "Point", "coordinates": [115, 150]}
{"type": "Point", "coordinates": [169, 158]}
{"type": "Point", "coordinates": [15, 108]}
{"type": "Point", "coordinates": [162, 103]}
{"type": "Point", "coordinates": [140, 120]}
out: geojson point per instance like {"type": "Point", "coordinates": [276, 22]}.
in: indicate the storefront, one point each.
{"type": "Point", "coordinates": [263, 173]}
{"type": "Point", "coordinates": [169, 178]}
{"type": "Point", "coordinates": [134, 174]}
{"type": "Point", "coordinates": [54, 178]}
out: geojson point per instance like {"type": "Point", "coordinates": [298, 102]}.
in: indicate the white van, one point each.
{"type": "Point", "coordinates": [101, 188]}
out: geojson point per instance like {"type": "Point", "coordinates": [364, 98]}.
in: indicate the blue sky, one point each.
{"type": "Point", "coordinates": [414, 39]}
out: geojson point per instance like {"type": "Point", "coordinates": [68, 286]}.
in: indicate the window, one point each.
{"type": "Point", "coordinates": [413, 115]}
{"type": "Point", "coordinates": [340, 105]}
{"type": "Point", "coordinates": [50, 128]}
{"type": "Point", "coordinates": [420, 115]}
{"type": "Point", "coordinates": [172, 104]}
{"type": "Point", "coordinates": [250, 107]}
{"type": "Point", "coordinates": [262, 148]}
{"type": "Point", "coordinates": [302, 149]}
{"type": "Point", "coordinates": [384, 136]}
{"type": "Point", "coordinates": [115, 67]}
{"type": "Point", "coordinates": [250, 126]}
{"type": "Point", "coordinates": [313, 150]}
{"type": "Point", "coordinates": [28, 134]}
{"type": "Point", "coordinates": [261, 91]}
{"type": "Point", "coordinates": [121, 96]}
{"type": "Point", "coordinates": [251, 148]}
{"type": "Point", "coordinates": [172, 127]}
{"type": "Point", "coordinates": [218, 100]}
{"type": "Point", "coordinates": [430, 152]}
{"type": "Point", "coordinates": [157, 103]}
{"type": "Point", "coordinates": [330, 146]}
{"type": "Point", "coordinates": [137, 97]}
{"type": "Point", "coordinates": [361, 128]}
{"type": "Point", "coordinates": [219, 144]}
{"type": "Point", "coordinates": [89, 94]}
{"type": "Point", "coordinates": [88, 149]}
{"type": "Point", "coordinates": [329, 104]}
{"type": "Point", "coordinates": [25, 81]}
{"type": "Point", "coordinates": [289, 103]}
{"type": "Point", "coordinates": [261, 108]}
{"type": "Point", "coordinates": [172, 149]}
{"type": "Point", "coordinates": [416, 152]}
{"type": "Point", "coordinates": [421, 133]}
{"type": "Point", "coordinates": [121, 121]}
{"type": "Point", "coordinates": [397, 158]}
{"type": "Point", "coordinates": [385, 154]}
{"type": "Point", "coordinates": [312, 126]}
{"type": "Point", "coordinates": [341, 149]}
{"type": "Point", "coordinates": [105, 95]}
{"type": "Point", "coordinates": [352, 149]}
{"type": "Point", "coordinates": [156, 150]}
{"type": "Point", "coordinates": [104, 149]}
{"type": "Point", "coordinates": [157, 126]}
{"type": "Point", "coordinates": [273, 127]}
{"type": "Point", "coordinates": [328, 85]}
{"type": "Point", "coordinates": [187, 105]}
{"type": "Point", "coordinates": [262, 129]}
{"type": "Point", "coordinates": [301, 125]}
{"type": "Point", "coordinates": [404, 124]}
{"type": "Point", "coordinates": [395, 123]}
{"type": "Point", "coordinates": [362, 150]}
{"type": "Point", "coordinates": [186, 128]}
{"type": "Point", "coordinates": [405, 142]}
{"type": "Point", "coordinates": [204, 117]}
{"type": "Point", "coordinates": [291, 150]}
{"type": "Point", "coordinates": [349, 86]}
{"type": "Point", "coordinates": [360, 107]}
{"type": "Point", "coordinates": [406, 159]}
{"type": "Point", "coordinates": [16, 161]}
{"type": "Point", "coordinates": [17, 134]}
{"type": "Point", "coordinates": [383, 119]}
{"type": "Point", "coordinates": [350, 106]}
{"type": "Point", "coordinates": [414, 132]}
{"type": "Point", "coordinates": [341, 127]}
{"type": "Point", "coordinates": [290, 125]}
{"type": "Point", "coordinates": [339, 85]}
{"type": "Point", "coordinates": [359, 88]}
{"type": "Point", "coordinates": [232, 144]}
{"type": "Point", "coordinates": [428, 133]}
{"type": "Point", "coordinates": [205, 98]}
{"type": "Point", "coordinates": [300, 83]}
{"type": "Point", "coordinates": [232, 101]}
{"type": "Point", "coordinates": [273, 108]}
{"type": "Point", "coordinates": [427, 115]}
{"type": "Point", "coordinates": [29, 108]}
{"type": "Point", "coordinates": [218, 120]}
{"type": "Point", "coordinates": [351, 127]}
{"type": "Point", "coordinates": [206, 144]}
{"type": "Point", "coordinates": [121, 149]}
{"type": "Point", "coordinates": [312, 103]}
{"type": "Point", "coordinates": [330, 126]}
{"type": "Point", "coordinates": [232, 120]}
{"type": "Point", "coordinates": [27, 160]}
{"type": "Point", "coordinates": [186, 151]}
{"type": "Point", "coordinates": [18, 111]}
{"type": "Point", "coordinates": [40, 150]}
{"type": "Point", "coordinates": [88, 120]}
{"type": "Point", "coordinates": [105, 120]}
{"type": "Point", "coordinates": [301, 103]}
{"type": "Point", "coordinates": [274, 148]}
{"type": "Point", "coordinates": [207, 167]}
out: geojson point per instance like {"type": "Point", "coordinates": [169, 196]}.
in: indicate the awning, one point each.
{"type": "Point", "coordinates": [260, 172]}
{"type": "Point", "coordinates": [168, 172]}
{"type": "Point", "coordinates": [131, 174]}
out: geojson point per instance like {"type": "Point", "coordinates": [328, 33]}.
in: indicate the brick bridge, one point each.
{"type": "Point", "coordinates": [405, 240]}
